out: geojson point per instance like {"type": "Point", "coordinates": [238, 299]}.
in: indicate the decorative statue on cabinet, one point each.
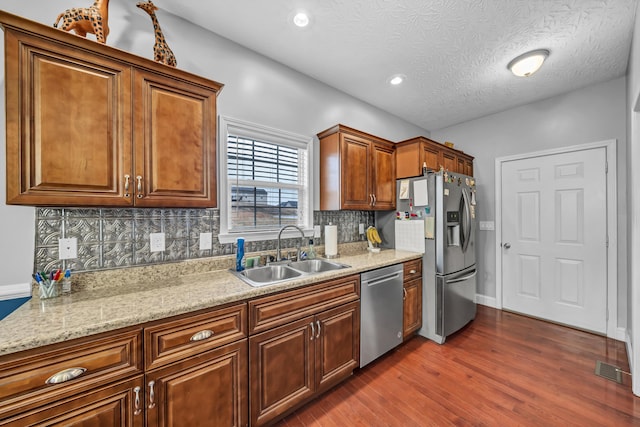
{"type": "Point", "coordinates": [161, 51]}
{"type": "Point", "coordinates": [83, 20]}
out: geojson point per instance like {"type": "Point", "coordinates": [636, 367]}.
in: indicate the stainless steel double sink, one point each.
{"type": "Point", "coordinates": [276, 273]}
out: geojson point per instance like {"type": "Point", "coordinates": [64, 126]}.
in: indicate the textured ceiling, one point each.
{"type": "Point", "coordinates": [453, 52]}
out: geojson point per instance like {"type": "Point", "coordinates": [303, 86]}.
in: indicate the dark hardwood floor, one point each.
{"type": "Point", "coordinates": [501, 370]}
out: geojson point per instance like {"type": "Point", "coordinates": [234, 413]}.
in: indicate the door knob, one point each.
{"type": "Point", "coordinates": [507, 245]}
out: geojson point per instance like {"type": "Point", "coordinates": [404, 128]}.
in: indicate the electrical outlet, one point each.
{"type": "Point", "coordinates": [361, 228]}
{"type": "Point", "coordinates": [316, 231]}
{"type": "Point", "coordinates": [68, 248]}
{"type": "Point", "coordinates": [205, 241]}
{"type": "Point", "coordinates": [156, 242]}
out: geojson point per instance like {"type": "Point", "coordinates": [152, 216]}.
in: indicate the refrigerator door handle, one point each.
{"type": "Point", "coordinates": [463, 278]}
{"type": "Point", "coordinates": [467, 221]}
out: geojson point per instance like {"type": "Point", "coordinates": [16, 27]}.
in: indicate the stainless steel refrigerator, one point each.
{"type": "Point", "coordinates": [444, 204]}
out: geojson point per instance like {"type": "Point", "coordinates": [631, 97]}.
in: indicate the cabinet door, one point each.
{"type": "Point", "coordinates": [112, 406]}
{"type": "Point", "coordinates": [175, 142]}
{"type": "Point", "coordinates": [449, 161]}
{"type": "Point", "coordinates": [432, 156]}
{"type": "Point", "coordinates": [281, 367]}
{"type": "Point", "coordinates": [412, 315]}
{"type": "Point", "coordinates": [68, 124]}
{"type": "Point", "coordinates": [355, 169]}
{"type": "Point", "coordinates": [468, 167]}
{"type": "Point", "coordinates": [384, 178]}
{"type": "Point", "coordinates": [337, 344]}
{"type": "Point", "coordinates": [460, 168]}
{"type": "Point", "coordinates": [210, 389]}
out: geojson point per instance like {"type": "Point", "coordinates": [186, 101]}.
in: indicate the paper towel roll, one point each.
{"type": "Point", "coordinates": [330, 240]}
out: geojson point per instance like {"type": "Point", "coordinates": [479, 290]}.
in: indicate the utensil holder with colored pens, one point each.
{"type": "Point", "coordinates": [49, 289]}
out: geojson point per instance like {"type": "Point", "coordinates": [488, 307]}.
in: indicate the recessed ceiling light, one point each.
{"type": "Point", "coordinates": [301, 19]}
{"type": "Point", "coordinates": [396, 79]}
{"type": "Point", "coordinates": [528, 63]}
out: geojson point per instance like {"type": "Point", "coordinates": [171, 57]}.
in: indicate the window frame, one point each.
{"type": "Point", "coordinates": [231, 126]}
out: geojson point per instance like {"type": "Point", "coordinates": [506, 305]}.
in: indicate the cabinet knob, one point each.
{"type": "Point", "coordinates": [127, 178]}
{"type": "Point", "coordinates": [139, 187]}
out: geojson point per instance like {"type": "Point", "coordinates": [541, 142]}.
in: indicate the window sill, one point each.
{"type": "Point", "coordinates": [256, 236]}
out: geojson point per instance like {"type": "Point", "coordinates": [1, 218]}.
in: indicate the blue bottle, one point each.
{"type": "Point", "coordinates": [240, 255]}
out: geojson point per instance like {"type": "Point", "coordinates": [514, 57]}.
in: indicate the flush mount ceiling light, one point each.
{"type": "Point", "coordinates": [397, 79]}
{"type": "Point", "coordinates": [528, 63]}
{"type": "Point", "coordinates": [301, 19]}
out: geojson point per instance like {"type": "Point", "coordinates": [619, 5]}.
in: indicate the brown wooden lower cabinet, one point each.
{"type": "Point", "coordinates": [293, 363]}
{"type": "Point", "coordinates": [207, 390]}
{"type": "Point", "coordinates": [412, 316]}
{"type": "Point", "coordinates": [111, 406]}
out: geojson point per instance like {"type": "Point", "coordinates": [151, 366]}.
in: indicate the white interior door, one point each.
{"type": "Point", "coordinates": [554, 238]}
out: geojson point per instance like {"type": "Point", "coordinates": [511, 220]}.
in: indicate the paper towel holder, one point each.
{"type": "Point", "coordinates": [326, 255]}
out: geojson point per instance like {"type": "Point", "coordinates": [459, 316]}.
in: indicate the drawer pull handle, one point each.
{"type": "Point", "coordinates": [313, 331]}
{"type": "Point", "coordinates": [412, 271]}
{"type": "Point", "coordinates": [319, 328]}
{"type": "Point", "coordinates": [138, 410]}
{"type": "Point", "coordinates": [66, 375]}
{"type": "Point", "coordinates": [202, 335]}
{"type": "Point", "coordinates": [152, 395]}
{"type": "Point", "coordinates": [404, 294]}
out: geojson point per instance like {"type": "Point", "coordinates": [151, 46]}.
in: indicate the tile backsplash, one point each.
{"type": "Point", "coordinates": [116, 238]}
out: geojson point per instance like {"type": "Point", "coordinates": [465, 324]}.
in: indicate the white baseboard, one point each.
{"type": "Point", "coordinates": [16, 290]}
{"type": "Point", "coordinates": [621, 334]}
{"type": "Point", "coordinates": [485, 300]}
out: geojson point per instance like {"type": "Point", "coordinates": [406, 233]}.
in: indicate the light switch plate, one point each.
{"type": "Point", "coordinates": [316, 231]}
{"type": "Point", "coordinates": [205, 241]}
{"type": "Point", "coordinates": [68, 248]}
{"type": "Point", "coordinates": [156, 242]}
{"type": "Point", "coordinates": [487, 225]}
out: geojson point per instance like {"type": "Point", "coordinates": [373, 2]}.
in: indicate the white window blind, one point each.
{"type": "Point", "coordinates": [266, 181]}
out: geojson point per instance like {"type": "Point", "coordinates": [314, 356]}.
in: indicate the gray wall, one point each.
{"type": "Point", "coordinates": [595, 113]}
{"type": "Point", "coordinates": [256, 89]}
{"type": "Point", "coordinates": [633, 199]}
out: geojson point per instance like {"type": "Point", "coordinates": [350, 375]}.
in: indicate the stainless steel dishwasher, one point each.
{"type": "Point", "coordinates": [380, 312]}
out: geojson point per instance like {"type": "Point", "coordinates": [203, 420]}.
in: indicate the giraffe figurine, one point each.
{"type": "Point", "coordinates": [161, 51]}
{"type": "Point", "coordinates": [83, 20]}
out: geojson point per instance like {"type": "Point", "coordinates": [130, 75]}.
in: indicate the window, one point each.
{"type": "Point", "coordinates": [264, 181]}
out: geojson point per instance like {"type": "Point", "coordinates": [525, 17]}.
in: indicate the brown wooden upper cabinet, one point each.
{"type": "Point", "coordinates": [412, 153]}
{"type": "Point", "coordinates": [357, 170]}
{"type": "Point", "coordinates": [90, 125]}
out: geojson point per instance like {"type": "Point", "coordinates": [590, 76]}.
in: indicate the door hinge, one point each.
{"type": "Point", "coordinates": [606, 166]}
{"type": "Point", "coordinates": [607, 242]}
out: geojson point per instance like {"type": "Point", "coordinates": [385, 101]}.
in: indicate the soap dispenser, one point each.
{"type": "Point", "coordinates": [311, 254]}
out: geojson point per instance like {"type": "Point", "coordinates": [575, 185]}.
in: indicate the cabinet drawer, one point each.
{"type": "Point", "coordinates": [190, 335]}
{"type": "Point", "coordinates": [29, 379]}
{"type": "Point", "coordinates": [412, 269]}
{"type": "Point", "coordinates": [276, 310]}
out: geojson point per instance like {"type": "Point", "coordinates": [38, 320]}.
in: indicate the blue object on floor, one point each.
{"type": "Point", "coordinates": [9, 305]}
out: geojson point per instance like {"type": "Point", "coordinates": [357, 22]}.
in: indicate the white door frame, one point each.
{"type": "Point", "coordinates": [612, 224]}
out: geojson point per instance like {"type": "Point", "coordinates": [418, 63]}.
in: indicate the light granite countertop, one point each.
{"type": "Point", "coordinates": [120, 298]}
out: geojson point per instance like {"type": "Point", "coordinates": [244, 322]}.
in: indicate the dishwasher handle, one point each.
{"type": "Point", "coordinates": [377, 280]}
